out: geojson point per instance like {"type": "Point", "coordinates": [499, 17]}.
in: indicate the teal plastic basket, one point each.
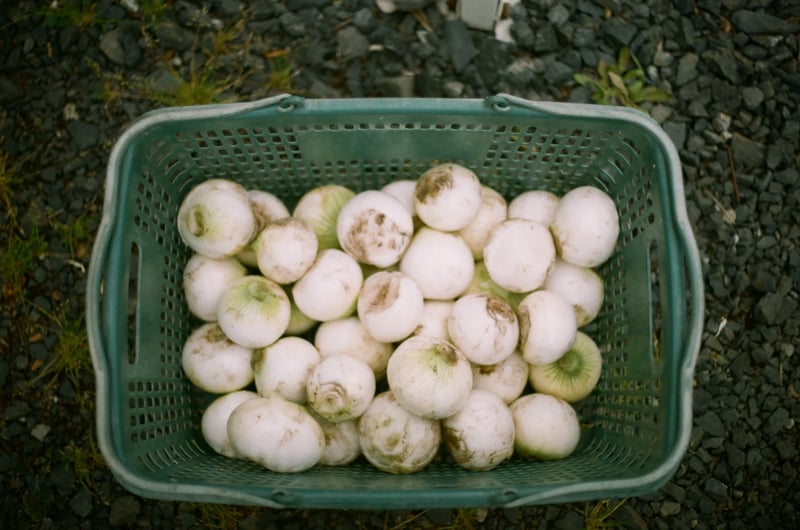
{"type": "Point", "coordinates": [635, 426]}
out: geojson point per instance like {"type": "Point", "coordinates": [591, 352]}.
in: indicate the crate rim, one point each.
{"type": "Point", "coordinates": [498, 103]}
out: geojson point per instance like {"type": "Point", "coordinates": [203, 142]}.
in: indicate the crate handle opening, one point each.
{"type": "Point", "coordinates": [133, 300]}
{"type": "Point", "coordinates": [655, 306]}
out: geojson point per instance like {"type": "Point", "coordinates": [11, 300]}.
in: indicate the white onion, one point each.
{"type": "Point", "coordinates": [586, 226]}
{"type": "Point", "coordinates": [547, 327]}
{"type": "Point", "coordinates": [403, 191]}
{"type": "Point", "coordinates": [276, 433]}
{"type": "Point", "coordinates": [319, 208]}
{"type": "Point", "coordinates": [480, 436]}
{"type": "Point", "coordinates": [581, 287]}
{"type": "Point", "coordinates": [215, 218]}
{"type": "Point", "coordinates": [374, 228]}
{"type": "Point", "coordinates": [214, 363]}
{"type": "Point", "coordinates": [435, 314]}
{"type": "Point", "coordinates": [285, 250]}
{"type": "Point", "coordinates": [506, 379]}
{"type": "Point", "coordinates": [484, 328]}
{"type": "Point", "coordinates": [394, 440]}
{"type": "Point", "coordinates": [574, 375]}
{"type": "Point", "coordinates": [440, 263]}
{"type": "Point", "coordinates": [534, 205]}
{"type": "Point", "coordinates": [519, 255]}
{"type": "Point", "coordinates": [330, 288]}
{"type": "Point", "coordinates": [340, 387]}
{"type": "Point", "coordinates": [546, 427]}
{"type": "Point", "coordinates": [254, 311]}
{"type": "Point", "coordinates": [342, 445]}
{"type": "Point", "coordinates": [390, 306]}
{"type": "Point", "coordinates": [214, 423]}
{"type": "Point", "coordinates": [429, 377]}
{"type": "Point", "coordinates": [447, 197]}
{"type": "Point", "coordinates": [284, 366]}
{"type": "Point", "coordinates": [492, 212]}
{"type": "Point", "coordinates": [204, 281]}
{"type": "Point", "coordinates": [348, 336]}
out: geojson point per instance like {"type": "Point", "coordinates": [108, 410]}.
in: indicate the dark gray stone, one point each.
{"type": "Point", "coordinates": [397, 86]}
{"type": "Point", "coordinates": [164, 81]}
{"type": "Point", "coordinates": [711, 424]}
{"type": "Point", "coordinates": [523, 34]}
{"type": "Point", "coordinates": [684, 7]}
{"type": "Point", "coordinates": [84, 135]}
{"type": "Point", "coordinates": [120, 46]}
{"type": "Point", "coordinates": [9, 90]}
{"type": "Point", "coordinates": [81, 503]}
{"type": "Point", "coordinates": [16, 410]}
{"type": "Point", "coordinates": [571, 520]}
{"type": "Point", "coordinates": [584, 37]}
{"type": "Point", "coordinates": [171, 36]}
{"type": "Point", "coordinates": [351, 44]}
{"type": "Point", "coordinates": [757, 22]}
{"type": "Point", "coordinates": [726, 63]}
{"type": "Point", "coordinates": [752, 97]}
{"type": "Point", "coordinates": [716, 489]}
{"type": "Point", "coordinates": [747, 153]}
{"type": "Point", "coordinates": [786, 449]}
{"type": "Point", "coordinates": [557, 72]}
{"type": "Point", "coordinates": [687, 68]}
{"type": "Point", "coordinates": [364, 20]}
{"type": "Point", "coordinates": [124, 511]}
{"type": "Point", "coordinates": [460, 46]}
{"type": "Point", "coordinates": [545, 39]}
{"type": "Point", "coordinates": [779, 420]}
{"type": "Point", "coordinates": [676, 132]}
{"type": "Point", "coordinates": [228, 8]}
{"type": "Point", "coordinates": [619, 31]}
{"type": "Point", "coordinates": [293, 24]}
{"type": "Point", "coordinates": [669, 508]}
{"type": "Point", "coordinates": [558, 14]}
{"type": "Point", "coordinates": [4, 369]}
{"type": "Point", "coordinates": [411, 5]}
{"type": "Point", "coordinates": [789, 177]}
{"type": "Point", "coordinates": [521, 71]}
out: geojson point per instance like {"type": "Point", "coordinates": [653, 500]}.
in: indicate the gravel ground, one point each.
{"type": "Point", "coordinates": [73, 75]}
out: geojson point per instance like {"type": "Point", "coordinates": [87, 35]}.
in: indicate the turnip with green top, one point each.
{"type": "Point", "coordinates": [319, 208]}
{"type": "Point", "coordinates": [254, 311]}
{"type": "Point", "coordinates": [429, 377]}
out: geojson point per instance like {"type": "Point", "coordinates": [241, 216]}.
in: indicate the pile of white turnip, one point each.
{"type": "Point", "coordinates": [389, 323]}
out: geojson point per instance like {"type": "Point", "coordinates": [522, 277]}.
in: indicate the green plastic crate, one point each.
{"type": "Point", "coordinates": [636, 424]}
